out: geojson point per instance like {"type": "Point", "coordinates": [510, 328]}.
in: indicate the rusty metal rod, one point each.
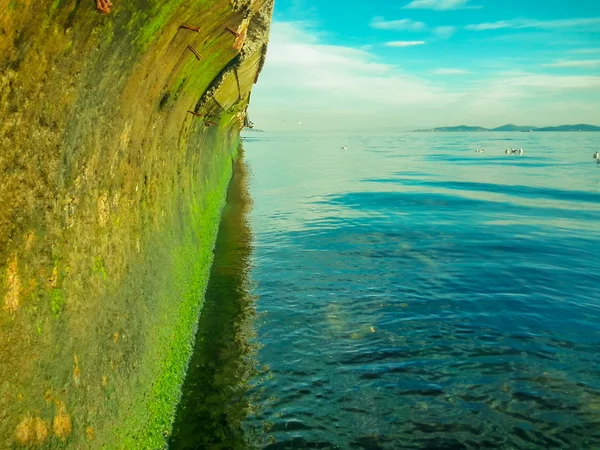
{"type": "Point", "coordinates": [189, 27]}
{"type": "Point", "coordinates": [193, 50]}
{"type": "Point", "coordinates": [235, 33]}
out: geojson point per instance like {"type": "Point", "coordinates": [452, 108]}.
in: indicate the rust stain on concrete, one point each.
{"type": "Point", "coordinates": [103, 209]}
{"type": "Point", "coordinates": [62, 422]}
{"type": "Point", "coordinates": [29, 240]}
{"type": "Point", "coordinates": [242, 31]}
{"type": "Point", "coordinates": [53, 280]}
{"type": "Point", "coordinates": [13, 286]}
{"type": "Point", "coordinates": [76, 370]}
{"type": "Point", "coordinates": [31, 431]}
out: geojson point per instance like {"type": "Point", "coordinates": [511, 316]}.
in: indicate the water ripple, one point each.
{"type": "Point", "coordinates": [416, 295]}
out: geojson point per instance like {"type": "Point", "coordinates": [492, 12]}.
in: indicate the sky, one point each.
{"type": "Point", "coordinates": [406, 64]}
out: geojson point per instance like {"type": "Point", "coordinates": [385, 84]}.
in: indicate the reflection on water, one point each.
{"type": "Point", "coordinates": [415, 294]}
{"type": "Point", "coordinates": [215, 401]}
{"type": "Point", "coordinates": [410, 294]}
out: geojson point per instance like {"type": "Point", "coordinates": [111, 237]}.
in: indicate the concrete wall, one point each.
{"type": "Point", "coordinates": [116, 148]}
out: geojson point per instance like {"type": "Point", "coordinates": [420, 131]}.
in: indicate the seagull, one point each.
{"type": "Point", "coordinates": [480, 150]}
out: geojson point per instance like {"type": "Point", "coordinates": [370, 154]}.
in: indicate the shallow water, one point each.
{"type": "Point", "coordinates": [215, 403]}
{"type": "Point", "coordinates": [412, 293]}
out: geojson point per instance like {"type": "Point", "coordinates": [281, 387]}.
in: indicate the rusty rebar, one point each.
{"type": "Point", "coordinates": [193, 50]}
{"type": "Point", "coordinates": [235, 33]}
{"type": "Point", "coordinates": [189, 27]}
{"type": "Point", "coordinates": [193, 113]}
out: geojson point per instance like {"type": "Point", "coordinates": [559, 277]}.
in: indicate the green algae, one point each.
{"type": "Point", "coordinates": [164, 12]}
{"type": "Point", "coordinates": [55, 5]}
{"type": "Point", "coordinates": [99, 267]}
{"type": "Point", "coordinates": [57, 301]}
{"type": "Point", "coordinates": [214, 402]}
{"type": "Point", "coordinates": [150, 421]}
{"type": "Point", "coordinates": [111, 204]}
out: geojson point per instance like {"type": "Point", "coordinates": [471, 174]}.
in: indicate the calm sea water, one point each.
{"type": "Point", "coordinates": [408, 293]}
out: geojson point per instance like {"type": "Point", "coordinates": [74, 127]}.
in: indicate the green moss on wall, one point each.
{"type": "Point", "coordinates": [109, 209]}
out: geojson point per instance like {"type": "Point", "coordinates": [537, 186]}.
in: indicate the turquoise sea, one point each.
{"type": "Point", "coordinates": [405, 293]}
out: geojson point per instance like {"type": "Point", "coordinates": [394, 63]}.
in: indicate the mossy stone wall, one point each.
{"type": "Point", "coordinates": [114, 162]}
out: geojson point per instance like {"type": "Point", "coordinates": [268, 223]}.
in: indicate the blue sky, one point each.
{"type": "Point", "coordinates": [400, 64]}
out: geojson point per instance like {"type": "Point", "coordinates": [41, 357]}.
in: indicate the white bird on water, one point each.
{"type": "Point", "coordinates": [344, 147]}
{"type": "Point", "coordinates": [512, 151]}
{"type": "Point", "coordinates": [480, 150]}
{"type": "Point", "coordinates": [597, 156]}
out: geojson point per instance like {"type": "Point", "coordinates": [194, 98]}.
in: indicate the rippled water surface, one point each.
{"type": "Point", "coordinates": [411, 293]}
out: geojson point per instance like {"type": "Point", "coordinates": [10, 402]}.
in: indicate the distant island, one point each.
{"type": "Point", "coordinates": [511, 127]}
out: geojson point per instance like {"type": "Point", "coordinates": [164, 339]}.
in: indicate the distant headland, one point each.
{"type": "Point", "coordinates": [511, 127]}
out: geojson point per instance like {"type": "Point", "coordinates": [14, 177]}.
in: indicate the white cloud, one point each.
{"type": "Point", "coordinates": [586, 51]}
{"type": "Point", "coordinates": [575, 63]}
{"type": "Point", "coordinates": [534, 23]}
{"type": "Point", "coordinates": [404, 43]}
{"type": "Point", "coordinates": [338, 87]}
{"type": "Point", "coordinates": [549, 83]}
{"type": "Point", "coordinates": [489, 26]}
{"type": "Point", "coordinates": [327, 86]}
{"type": "Point", "coordinates": [298, 64]}
{"type": "Point", "coordinates": [522, 97]}
{"type": "Point", "coordinates": [450, 72]}
{"type": "Point", "coordinates": [440, 5]}
{"type": "Point", "coordinates": [528, 87]}
{"type": "Point", "coordinates": [444, 32]}
{"type": "Point", "coordinates": [380, 23]}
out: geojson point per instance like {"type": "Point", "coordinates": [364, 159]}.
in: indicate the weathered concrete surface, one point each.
{"type": "Point", "coordinates": [110, 197]}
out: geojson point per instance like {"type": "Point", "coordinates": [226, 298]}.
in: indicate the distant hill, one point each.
{"type": "Point", "coordinates": [510, 127]}
{"type": "Point", "coordinates": [579, 127]}
{"type": "Point", "coordinates": [460, 128]}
